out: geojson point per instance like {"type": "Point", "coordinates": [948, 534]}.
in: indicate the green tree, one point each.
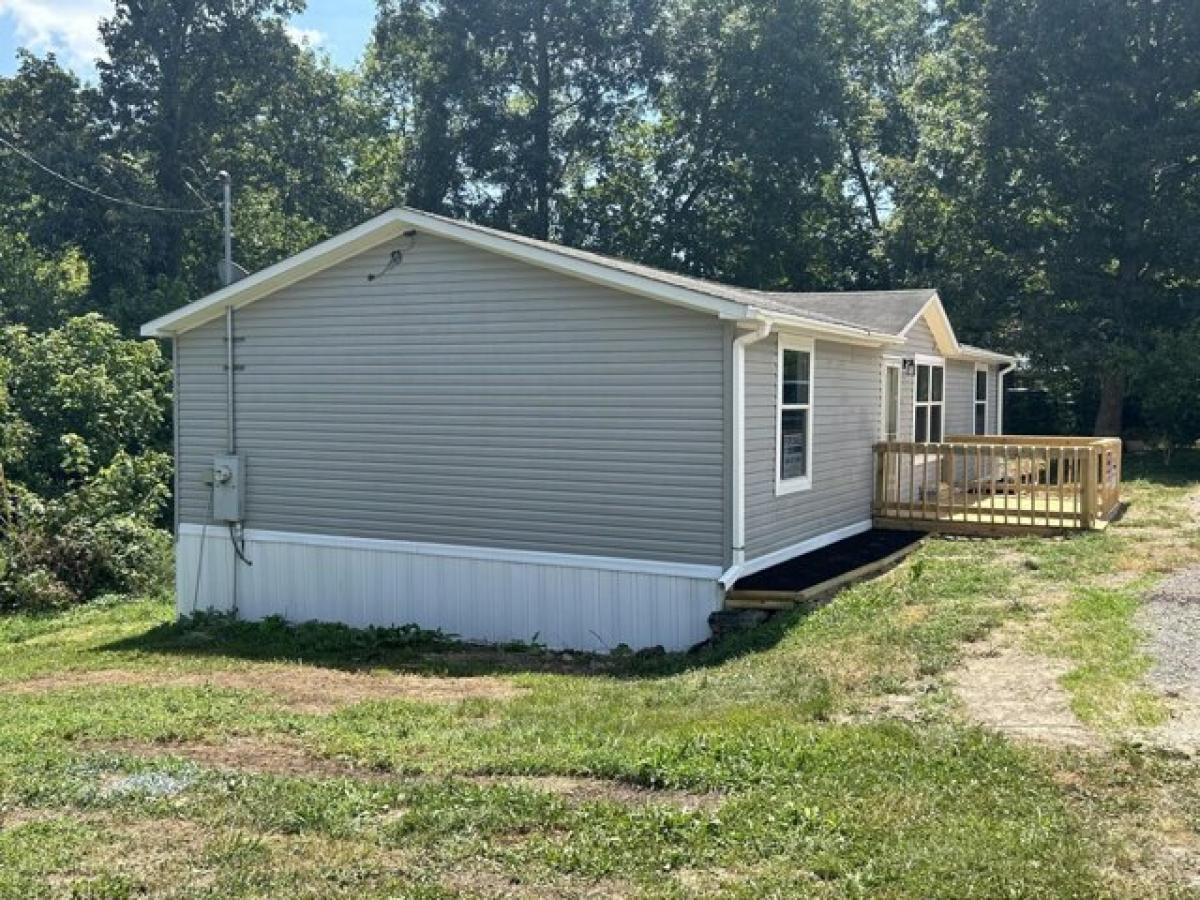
{"type": "Point", "coordinates": [741, 172]}
{"type": "Point", "coordinates": [1059, 151]}
{"type": "Point", "coordinates": [1167, 387]}
{"type": "Point", "coordinates": [76, 397]}
{"type": "Point", "coordinates": [503, 102]}
{"type": "Point", "coordinates": [84, 479]}
{"type": "Point", "coordinates": [177, 73]}
{"type": "Point", "coordinates": [37, 289]}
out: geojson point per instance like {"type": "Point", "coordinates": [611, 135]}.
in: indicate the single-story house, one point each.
{"type": "Point", "coordinates": [426, 421]}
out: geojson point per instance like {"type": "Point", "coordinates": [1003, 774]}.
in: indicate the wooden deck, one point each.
{"type": "Point", "coordinates": [998, 485]}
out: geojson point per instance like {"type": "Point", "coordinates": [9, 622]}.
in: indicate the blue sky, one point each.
{"type": "Point", "coordinates": [68, 27]}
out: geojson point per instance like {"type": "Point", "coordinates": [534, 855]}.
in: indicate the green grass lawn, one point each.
{"type": "Point", "coordinates": [139, 757]}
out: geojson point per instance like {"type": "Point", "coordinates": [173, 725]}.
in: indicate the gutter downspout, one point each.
{"type": "Point", "coordinates": [729, 576]}
{"type": "Point", "coordinates": [1000, 396]}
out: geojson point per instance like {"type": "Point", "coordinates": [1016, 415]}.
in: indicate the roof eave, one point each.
{"type": "Point", "coordinates": [978, 354]}
{"type": "Point", "coordinates": [391, 224]}
{"type": "Point", "coordinates": [848, 334]}
{"type": "Point", "coordinates": [371, 233]}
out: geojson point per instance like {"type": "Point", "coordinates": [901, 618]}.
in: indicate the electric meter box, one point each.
{"type": "Point", "coordinates": [228, 473]}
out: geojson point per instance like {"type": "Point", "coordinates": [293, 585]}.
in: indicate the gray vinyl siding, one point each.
{"type": "Point", "coordinates": [920, 339]}
{"type": "Point", "coordinates": [847, 399]}
{"type": "Point", "coordinates": [466, 398]}
{"type": "Point", "coordinates": [960, 397]}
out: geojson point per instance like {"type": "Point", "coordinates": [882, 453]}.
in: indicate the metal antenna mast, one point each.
{"type": "Point", "coordinates": [227, 203]}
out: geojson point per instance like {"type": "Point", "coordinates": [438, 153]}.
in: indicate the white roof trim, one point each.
{"type": "Point", "coordinates": [979, 355]}
{"type": "Point", "coordinates": [394, 222]}
{"type": "Point", "coordinates": [321, 256]}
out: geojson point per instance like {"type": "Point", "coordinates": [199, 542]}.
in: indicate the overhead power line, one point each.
{"type": "Point", "coordinates": [149, 207]}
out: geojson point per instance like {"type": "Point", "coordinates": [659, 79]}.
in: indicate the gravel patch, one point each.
{"type": "Point", "coordinates": [1171, 619]}
{"type": "Point", "coordinates": [147, 784]}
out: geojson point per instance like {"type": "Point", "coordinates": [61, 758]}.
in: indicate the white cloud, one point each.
{"type": "Point", "coordinates": [69, 28]}
{"type": "Point", "coordinates": [304, 37]}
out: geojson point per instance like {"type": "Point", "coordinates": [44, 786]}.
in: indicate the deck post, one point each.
{"type": "Point", "coordinates": [1088, 488]}
{"type": "Point", "coordinates": [880, 477]}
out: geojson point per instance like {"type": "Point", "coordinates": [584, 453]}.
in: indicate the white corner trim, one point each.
{"type": "Point", "coordinates": [496, 554]}
{"type": "Point", "coordinates": [751, 566]}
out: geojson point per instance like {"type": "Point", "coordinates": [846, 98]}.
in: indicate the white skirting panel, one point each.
{"type": "Point", "coordinates": [477, 593]}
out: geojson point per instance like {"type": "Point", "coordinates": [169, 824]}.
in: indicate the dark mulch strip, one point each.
{"type": "Point", "coordinates": [815, 568]}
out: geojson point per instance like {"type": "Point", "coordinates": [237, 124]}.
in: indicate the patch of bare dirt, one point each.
{"type": "Point", "coordinates": [155, 853]}
{"type": "Point", "coordinates": [303, 689]}
{"type": "Point", "coordinates": [251, 755]}
{"type": "Point", "coordinates": [492, 883]}
{"type": "Point", "coordinates": [1180, 733]}
{"type": "Point", "coordinates": [16, 817]}
{"type": "Point", "coordinates": [1018, 694]}
{"type": "Point", "coordinates": [600, 789]}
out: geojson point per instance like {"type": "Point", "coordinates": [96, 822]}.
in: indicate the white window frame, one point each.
{"type": "Point", "coordinates": [890, 362]}
{"type": "Point", "coordinates": [923, 360]}
{"type": "Point", "coordinates": [802, 482]}
{"type": "Point", "coordinates": [986, 401]}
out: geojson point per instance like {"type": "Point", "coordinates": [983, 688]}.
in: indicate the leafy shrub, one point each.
{"type": "Point", "coordinates": [81, 429]}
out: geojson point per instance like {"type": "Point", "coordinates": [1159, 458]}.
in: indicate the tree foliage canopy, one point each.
{"type": "Point", "coordinates": [1035, 160]}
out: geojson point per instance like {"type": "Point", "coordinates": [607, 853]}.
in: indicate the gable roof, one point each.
{"type": "Point", "coordinates": [872, 317]}
{"type": "Point", "coordinates": [890, 312]}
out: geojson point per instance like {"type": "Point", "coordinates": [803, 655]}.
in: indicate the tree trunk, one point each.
{"type": "Point", "coordinates": [1112, 402]}
{"type": "Point", "coordinates": [169, 171]}
{"type": "Point", "coordinates": [864, 184]}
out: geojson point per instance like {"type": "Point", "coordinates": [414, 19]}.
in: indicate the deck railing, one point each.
{"type": "Point", "coordinates": [992, 484]}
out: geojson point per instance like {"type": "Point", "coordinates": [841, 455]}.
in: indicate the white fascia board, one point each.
{"type": "Point", "coordinates": [845, 334]}
{"type": "Point", "coordinates": [978, 354]}
{"type": "Point", "coordinates": [371, 233]}
{"type": "Point", "coordinates": [392, 224]}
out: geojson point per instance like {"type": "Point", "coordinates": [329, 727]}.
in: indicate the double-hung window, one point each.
{"type": "Point", "coordinates": [793, 421]}
{"type": "Point", "coordinates": [981, 399]}
{"type": "Point", "coordinates": [929, 403]}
